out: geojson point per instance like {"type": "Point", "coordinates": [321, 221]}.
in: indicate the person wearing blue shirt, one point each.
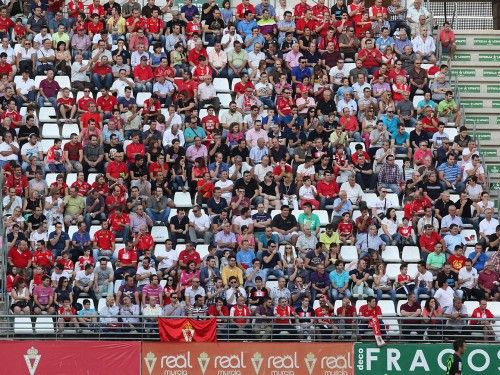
{"type": "Point", "coordinates": [62, 240]}
{"type": "Point", "coordinates": [390, 121]}
{"type": "Point", "coordinates": [478, 257]}
{"type": "Point", "coordinates": [189, 10]}
{"type": "Point", "coordinates": [218, 166]}
{"type": "Point", "coordinates": [301, 71]}
{"type": "Point", "coordinates": [245, 255]}
{"type": "Point", "coordinates": [253, 39]}
{"type": "Point", "coordinates": [339, 279]}
{"type": "Point", "coordinates": [246, 26]}
{"type": "Point", "coordinates": [80, 240]}
{"type": "Point", "coordinates": [264, 5]}
{"type": "Point", "coordinates": [401, 141]}
{"type": "Point", "coordinates": [384, 40]}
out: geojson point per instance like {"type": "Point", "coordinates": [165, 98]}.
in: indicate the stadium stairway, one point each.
{"type": "Point", "coordinates": [477, 68]}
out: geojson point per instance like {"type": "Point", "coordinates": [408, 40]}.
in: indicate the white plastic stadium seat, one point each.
{"type": "Point", "coordinates": [323, 217]}
{"type": "Point", "coordinates": [93, 229]}
{"type": "Point", "coordinates": [225, 99]}
{"type": "Point", "coordinates": [50, 131]}
{"type": "Point", "coordinates": [221, 85]}
{"type": "Point", "coordinates": [159, 234]}
{"type": "Point", "coordinates": [182, 199]}
{"type": "Point", "coordinates": [101, 304]}
{"type": "Point", "coordinates": [142, 97]}
{"type": "Point", "coordinates": [44, 325]}
{"type": "Point", "coordinates": [91, 178]}
{"type": "Point", "coordinates": [202, 250]}
{"type": "Point", "coordinates": [70, 178]}
{"type": "Point", "coordinates": [46, 144]}
{"type": "Point", "coordinates": [494, 307]}
{"type": "Point", "coordinates": [69, 129]}
{"type": "Point", "coordinates": [271, 284]}
{"type": "Point", "coordinates": [470, 236]}
{"type": "Point", "coordinates": [471, 306]}
{"type": "Point", "coordinates": [47, 114]}
{"type": "Point", "coordinates": [387, 307]}
{"type": "Point", "coordinates": [50, 178]}
{"type": "Point", "coordinates": [391, 254]}
{"type": "Point", "coordinates": [411, 254]}
{"type": "Point", "coordinates": [416, 100]}
{"type": "Point", "coordinates": [22, 325]}
{"type": "Point", "coordinates": [63, 81]}
{"type": "Point", "coordinates": [349, 253]}
{"type": "Point", "coordinates": [39, 79]}
{"type": "Point", "coordinates": [392, 270]}
{"type": "Point", "coordinates": [72, 230]}
{"type": "Point", "coordinates": [235, 81]}
{"type": "Point", "coordinates": [412, 270]}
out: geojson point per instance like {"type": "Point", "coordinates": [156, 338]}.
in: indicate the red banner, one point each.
{"type": "Point", "coordinates": [70, 357]}
{"type": "Point", "coordinates": [187, 330]}
{"type": "Point", "coordinates": [237, 358]}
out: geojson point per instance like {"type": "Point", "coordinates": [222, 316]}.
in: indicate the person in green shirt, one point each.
{"type": "Point", "coordinates": [329, 236]}
{"type": "Point", "coordinates": [74, 205]}
{"type": "Point", "coordinates": [448, 109]}
{"type": "Point", "coordinates": [309, 220]}
{"type": "Point", "coordinates": [436, 259]}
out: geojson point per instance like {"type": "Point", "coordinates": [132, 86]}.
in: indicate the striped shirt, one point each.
{"type": "Point", "coordinates": [450, 172]}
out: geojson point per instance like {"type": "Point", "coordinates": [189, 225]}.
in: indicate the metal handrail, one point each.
{"type": "Point", "coordinates": [253, 328]}
{"type": "Point", "coordinates": [3, 251]}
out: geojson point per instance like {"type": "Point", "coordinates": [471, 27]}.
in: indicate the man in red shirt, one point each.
{"type": "Point", "coordinates": [447, 39]}
{"type": "Point", "coordinates": [91, 114]}
{"type": "Point", "coordinates": [115, 200]}
{"type": "Point", "coordinates": [135, 21]}
{"type": "Point", "coordinates": [242, 8]}
{"type": "Point", "coordinates": [306, 21]}
{"type": "Point", "coordinates": [17, 181]}
{"type": "Point", "coordinates": [5, 67]}
{"type": "Point", "coordinates": [285, 314]}
{"type": "Point", "coordinates": [117, 168]}
{"type": "Point", "coordinates": [102, 76]}
{"type": "Point", "coordinates": [135, 148]}
{"type": "Point", "coordinates": [66, 106]}
{"type": "Point", "coordinates": [151, 109]}
{"type": "Point", "coordinates": [428, 239]}
{"type": "Point", "coordinates": [12, 113]}
{"type": "Point", "coordinates": [285, 104]}
{"type": "Point", "coordinates": [300, 9]}
{"type": "Point", "coordinates": [371, 312]}
{"type": "Point", "coordinates": [5, 22]}
{"type": "Point", "coordinates": [189, 254]}
{"type": "Point", "coordinates": [240, 311]}
{"type": "Point", "coordinates": [84, 101]}
{"type": "Point", "coordinates": [20, 256]}
{"type": "Point", "coordinates": [120, 223]}
{"type": "Point", "coordinates": [327, 189]}
{"type": "Point", "coordinates": [377, 10]}
{"type": "Point", "coordinates": [195, 53]}
{"type": "Point", "coordinates": [486, 326]}
{"type": "Point", "coordinates": [96, 8]}
{"type": "Point", "coordinates": [43, 257]}
{"type": "Point", "coordinates": [126, 261]}
{"type": "Point", "coordinates": [143, 241]}
{"type": "Point", "coordinates": [370, 56]}
{"type": "Point", "coordinates": [348, 312]}
{"type": "Point", "coordinates": [143, 76]}
{"type": "Point", "coordinates": [104, 242]}
{"type": "Point", "coordinates": [106, 103]}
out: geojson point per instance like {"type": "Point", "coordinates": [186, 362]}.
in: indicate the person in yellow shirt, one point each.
{"type": "Point", "coordinates": [116, 23]}
{"type": "Point", "coordinates": [329, 236]}
{"type": "Point", "coordinates": [231, 270]}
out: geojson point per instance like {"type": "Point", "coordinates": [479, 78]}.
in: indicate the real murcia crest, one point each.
{"type": "Point", "coordinates": [310, 361]}
{"type": "Point", "coordinates": [32, 359]}
{"type": "Point", "coordinates": [188, 332]}
{"type": "Point", "coordinates": [257, 362]}
{"type": "Point", "coordinates": [150, 360]}
{"type": "Point", "coordinates": [203, 360]}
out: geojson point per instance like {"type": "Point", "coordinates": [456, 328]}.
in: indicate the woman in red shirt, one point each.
{"type": "Point", "coordinates": [197, 172]}
{"type": "Point", "coordinates": [205, 189]}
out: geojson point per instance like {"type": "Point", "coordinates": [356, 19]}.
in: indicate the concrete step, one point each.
{"type": "Point", "coordinates": [478, 90]}
{"type": "Point", "coordinates": [475, 33]}
{"type": "Point", "coordinates": [485, 104]}
{"type": "Point", "coordinates": [472, 55]}
{"type": "Point", "coordinates": [481, 120]}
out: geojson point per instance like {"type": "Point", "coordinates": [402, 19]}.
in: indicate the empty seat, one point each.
{"type": "Point", "coordinates": [50, 178]}
{"type": "Point", "coordinates": [235, 81]}
{"type": "Point", "coordinates": [471, 306]}
{"type": "Point", "coordinates": [416, 100]}
{"type": "Point", "coordinates": [142, 97]}
{"type": "Point", "coordinates": [101, 304]}
{"type": "Point", "coordinates": [47, 114]}
{"type": "Point", "coordinates": [297, 213]}
{"type": "Point", "coordinates": [392, 270]}
{"type": "Point", "coordinates": [225, 99]}
{"type": "Point", "coordinates": [179, 248]}
{"type": "Point", "coordinates": [221, 85]}
{"type": "Point", "coordinates": [23, 325]}
{"type": "Point", "coordinates": [271, 284]}
{"type": "Point", "coordinates": [72, 230]}
{"type": "Point", "coordinates": [91, 178]}
{"type": "Point", "coordinates": [159, 234]}
{"type": "Point", "coordinates": [411, 254]}
{"type": "Point", "coordinates": [323, 217]}
{"type": "Point", "coordinates": [69, 129]}
{"type": "Point", "coordinates": [387, 307]}
{"type": "Point", "coordinates": [349, 253]}
{"type": "Point", "coordinates": [412, 270]}
{"type": "Point", "coordinates": [63, 81]}
{"type": "Point", "coordinates": [71, 178]}
{"type": "Point", "coordinates": [359, 303]}
{"type": "Point", "coordinates": [93, 229]}
{"type": "Point", "coordinates": [202, 250]}
{"type": "Point", "coordinates": [182, 199]}
{"type": "Point", "coordinates": [118, 284]}
{"type": "Point", "coordinates": [44, 325]}
{"type": "Point", "coordinates": [494, 307]}
{"type": "Point", "coordinates": [203, 112]}
{"type": "Point", "coordinates": [50, 131]}
{"type": "Point", "coordinates": [39, 79]}
{"type": "Point", "coordinates": [391, 254]}
{"type": "Point", "coordinates": [470, 236]}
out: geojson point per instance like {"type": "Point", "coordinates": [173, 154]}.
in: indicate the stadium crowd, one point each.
{"type": "Point", "coordinates": [331, 113]}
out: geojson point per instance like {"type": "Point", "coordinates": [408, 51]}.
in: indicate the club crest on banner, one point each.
{"type": "Point", "coordinates": [32, 359]}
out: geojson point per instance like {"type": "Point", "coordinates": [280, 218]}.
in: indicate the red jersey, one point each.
{"type": "Point", "coordinates": [284, 106]}
{"type": "Point", "coordinates": [302, 23]}
{"type": "Point", "coordinates": [144, 242]}
{"type": "Point", "coordinates": [143, 73]}
{"type": "Point", "coordinates": [6, 24]}
{"type": "Point", "coordinates": [127, 258]}
{"type": "Point", "coordinates": [285, 314]}
{"type": "Point", "coordinates": [368, 312]}
{"type": "Point", "coordinates": [349, 312]}
{"type": "Point", "coordinates": [403, 279]}
{"type": "Point", "coordinates": [193, 27]}
{"type": "Point", "coordinates": [66, 101]}
{"type": "Point", "coordinates": [202, 71]}
{"type": "Point", "coordinates": [300, 10]}
{"type": "Point", "coordinates": [75, 8]}
{"type": "Point", "coordinates": [107, 104]}
{"type": "Point", "coordinates": [104, 239]}
{"type": "Point", "coordinates": [13, 115]}
{"type": "Point", "coordinates": [66, 311]}
{"type": "Point", "coordinates": [150, 107]}
{"type": "Point", "coordinates": [240, 87]}
{"type": "Point", "coordinates": [186, 256]}
{"type": "Point", "coordinates": [165, 71]}
{"type": "Point", "coordinates": [44, 259]}
{"type": "Point", "coordinates": [155, 168]}
{"type": "Point", "coordinates": [91, 116]}
{"type": "Point", "coordinates": [5, 69]}
{"type": "Point", "coordinates": [99, 9]}
{"type": "Point", "coordinates": [83, 187]}
{"type": "Point", "coordinates": [374, 11]}
{"type": "Point", "coordinates": [19, 260]}
{"type": "Point", "coordinates": [373, 57]}
{"type": "Point", "coordinates": [329, 190]}
{"type": "Point", "coordinates": [427, 242]}
{"type": "Point", "coordinates": [118, 222]}
{"type": "Point", "coordinates": [393, 74]}
{"type": "Point", "coordinates": [83, 261]}
{"type": "Point", "coordinates": [20, 31]}
{"type": "Point", "coordinates": [190, 86]}
{"type": "Point", "coordinates": [193, 55]}
{"type": "Point", "coordinates": [345, 229]}
{"type": "Point", "coordinates": [205, 188]}
{"type": "Point", "coordinates": [480, 314]}
{"type": "Point", "coordinates": [60, 187]}
{"type": "Point", "coordinates": [67, 264]}
{"type": "Point", "coordinates": [113, 201]}
{"type": "Point", "coordinates": [101, 69]}
{"type": "Point", "coordinates": [397, 96]}
{"type": "Point", "coordinates": [240, 311]}
{"type": "Point", "coordinates": [154, 25]}
{"type": "Point", "coordinates": [241, 9]}
{"type": "Point", "coordinates": [20, 184]}
{"type": "Point", "coordinates": [319, 11]}
{"type": "Point", "coordinates": [324, 313]}
{"type": "Point", "coordinates": [83, 103]}
{"type": "Point", "coordinates": [360, 8]}
{"type": "Point", "coordinates": [134, 149]}
{"type": "Point", "coordinates": [117, 169]}
{"type": "Point", "coordinates": [94, 28]}
{"type": "Point", "coordinates": [457, 262]}
{"type": "Point", "coordinates": [136, 23]}
{"type": "Point", "coordinates": [405, 231]}
{"type": "Point", "coordinates": [103, 189]}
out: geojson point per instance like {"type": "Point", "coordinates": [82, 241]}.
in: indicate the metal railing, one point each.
{"type": "Point", "coordinates": [3, 253]}
{"type": "Point", "coordinates": [253, 328]}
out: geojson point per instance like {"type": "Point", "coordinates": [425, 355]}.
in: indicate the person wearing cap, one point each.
{"type": "Point", "coordinates": [143, 76]}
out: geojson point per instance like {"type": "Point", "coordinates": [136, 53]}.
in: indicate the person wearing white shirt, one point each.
{"type": "Point", "coordinates": [5, 47]}
{"type": "Point", "coordinates": [45, 57]}
{"type": "Point", "coordinates": [487, 226]}
{"type": "Point", "coordinates": [347, 102]}
{"type": "Point", "coordinates": [229, 38]}
{"type": "Point", "coordinates": [413, 16]}
{"type": "Point", "coordinates": [217, 59]}
{"type": "Point", "coordinates": [40, 37]}
{"type": "Point", "coordinates": [144, 271]}
{"type": "Point", "coordinates": [207, 94]}
{"type": "Point", "coordinates": [199, 225]}
{"type": "Point", "coordinates": [135, 58]}
{"type": "Point", "coordinates": [120, 83]}
{"type": "Point", "coordinates": [467, 280]}
{"type": "Point", "coordinates": [255, 57]}
{"type": "Point", "coordinates": [354, 192]}
{"type": "Point", "coordinates": [360, 86]}
{"type": "Point", "coordinates": [172, 133]}
{"type": "Point", "coordinates": [338, 72]}
{"type": "Point", "coordinates": [424, 45]}
{"type": "Point", "coordinates": [226, 186]}
{"type": "Point", "coordinates": [25, 87]}
{"type": "Point", "coordinates": [164, 89]}
{"type": "Point", "coordinates": [423, 280]}
{"type": "Point", "coordinates": [167, 257]}
{"type": "Point", "coordinates": [11, 202]}
{"type": "Point", "coordinates": [444, 295]}
{"type": "Point", "coordinates": [261, 169]}
{"type": "Point", "coordinates": [8, 150]}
